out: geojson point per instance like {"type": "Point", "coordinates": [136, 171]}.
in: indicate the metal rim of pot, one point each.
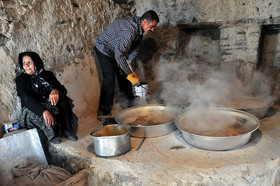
{"type": "Point", "coordinates": [258, 112]}
{"type": "Point", "coordinates": [115, 136]}
{"type": "Point", "coordinates": [109, 146]}
{"type": "Point", "coordinates": [152, 130]}
{"type": "Point", "coordinates": [212, 142]}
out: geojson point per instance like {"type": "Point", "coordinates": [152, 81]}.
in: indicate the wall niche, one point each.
{"type": "Point", "coordinates": [200, 43]}
{"type": "Point", "coordinates": [269, 56]}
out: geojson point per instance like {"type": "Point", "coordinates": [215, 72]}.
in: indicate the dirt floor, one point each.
{"type": "Point", "coordinates": [170, 160]}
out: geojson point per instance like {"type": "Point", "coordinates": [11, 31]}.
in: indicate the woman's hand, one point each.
{"type": "Point", "coordinates": [54, 96]}
{"type": "Point", "coordinates": [48, 118]}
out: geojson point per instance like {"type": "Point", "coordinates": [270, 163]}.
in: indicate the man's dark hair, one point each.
{"type": "Point", "coordinates": [150, 15]}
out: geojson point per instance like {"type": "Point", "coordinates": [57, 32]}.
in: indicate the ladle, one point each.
{"type": "Point", "coordinates": [140, 145]}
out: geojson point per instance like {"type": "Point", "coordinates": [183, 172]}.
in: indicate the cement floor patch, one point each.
{"type": "Point", "coordinates": [170, 160]}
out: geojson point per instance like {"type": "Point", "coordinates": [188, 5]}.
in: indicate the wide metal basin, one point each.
{"type": "Point", "coordinates": [199, 130]}
{"type": "Point", "coordinates": [111, 140]}
{"type": "Point", "coordinates": [165, 116]}
{"type": "Point", "coordinates": [253, 105]}
{"type": "Point", "coordinates": [259, 112]}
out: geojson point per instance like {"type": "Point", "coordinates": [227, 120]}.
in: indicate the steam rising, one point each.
{"type": "Point", "coordinates": [199, 85]}
{"type": "Point", "coordinates": [196, 85]}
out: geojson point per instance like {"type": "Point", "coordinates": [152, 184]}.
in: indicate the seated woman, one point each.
{"type": "Point", "coordinates": [45, 105]}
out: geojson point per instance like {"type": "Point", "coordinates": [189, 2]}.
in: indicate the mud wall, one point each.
{"type": "Point", "coordinates": [63, 33]}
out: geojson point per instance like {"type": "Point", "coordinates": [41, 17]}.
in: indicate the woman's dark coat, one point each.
{"type": "Point", "coordinates": [32, 93]}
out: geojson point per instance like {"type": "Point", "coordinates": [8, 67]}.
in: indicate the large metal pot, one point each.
{"type": "Point", "coordinates": [167, 114]}
{"type": "Point", "coordinates": [199, 135]}
{"type": "Point", "coordinates": [254, 105]}
{"type": "Point", "coordinates": [111, 140]}
{"type": "Point", "coordinates": [259, 112]}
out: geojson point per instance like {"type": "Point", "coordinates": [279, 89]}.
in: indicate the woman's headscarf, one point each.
{"type": "Point", "coordinates": [38, 63]}
{"type": "Point", "coordinates": [38, 69]}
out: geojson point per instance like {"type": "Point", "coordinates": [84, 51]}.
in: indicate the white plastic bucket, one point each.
{"type": "Point", "coordinates": [141, 91]}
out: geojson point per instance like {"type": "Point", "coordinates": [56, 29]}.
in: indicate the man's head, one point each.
{"type": "Point", "coordinates": [149, 21]}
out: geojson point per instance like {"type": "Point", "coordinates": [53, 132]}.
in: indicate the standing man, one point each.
{"type": "Point", "coordinates": [116, 47]}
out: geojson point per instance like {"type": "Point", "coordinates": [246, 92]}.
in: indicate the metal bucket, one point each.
{"type": "Point", "coordinates": [165, 113]}
{"type": "Point", "coordinates": [111, 140]}
{"type": "Point", "coordinates": [142, 91]}
{"type": "Point", "coordinates": [192, 130]}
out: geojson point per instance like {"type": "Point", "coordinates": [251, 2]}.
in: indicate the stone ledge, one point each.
{"type": "Point", "coordinates": [169, 160]}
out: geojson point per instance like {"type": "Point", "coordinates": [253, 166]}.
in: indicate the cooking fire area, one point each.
{"type": "Point", "coordinates": [201, 120]}
{"type": "Point", "coordinates": [172, 160]}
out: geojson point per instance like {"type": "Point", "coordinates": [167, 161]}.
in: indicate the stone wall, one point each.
{"type": "Point", "coordinates": [240, 25]}
{"type": "Point", "coordinates": [63, 33]}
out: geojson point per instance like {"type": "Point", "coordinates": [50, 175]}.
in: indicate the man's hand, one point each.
{"type": "Point", "coordinates": [48, 118]}
{"type": "Point", "coordinates": [133, 79]}
{"type": "Point", "coordinates": [54, 96]}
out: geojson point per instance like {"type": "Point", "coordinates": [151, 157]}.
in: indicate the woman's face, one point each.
{"type": "Point", "coordinates": [28, 65]}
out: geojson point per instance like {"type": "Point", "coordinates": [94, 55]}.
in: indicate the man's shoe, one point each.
{"type": "Point", "coordinates": [106, 120]}
{"type": "Point", "coordinates": [56, 140]}
{"type": "Point", "coordinates": [103, 117]}
{"type": "Point", "coordinates": [109, 121]}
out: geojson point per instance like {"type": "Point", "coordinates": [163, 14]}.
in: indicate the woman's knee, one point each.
{"type": "Point", "coordinates": [63, 103]}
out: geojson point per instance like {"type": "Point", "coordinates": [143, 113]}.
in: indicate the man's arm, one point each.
{"type": "Point", "coordinates": [122, 50]}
